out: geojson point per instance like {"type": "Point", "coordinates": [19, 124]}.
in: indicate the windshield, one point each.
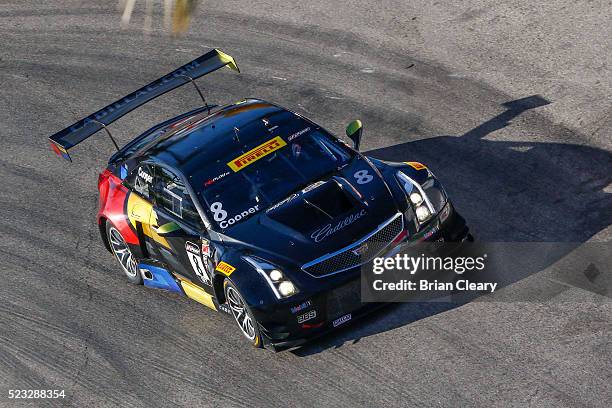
{"type": "Point", "coordinates": [239, 185]}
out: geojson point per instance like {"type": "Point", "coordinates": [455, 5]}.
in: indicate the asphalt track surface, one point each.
{"type": "Point", "coordinates": [431, 83]}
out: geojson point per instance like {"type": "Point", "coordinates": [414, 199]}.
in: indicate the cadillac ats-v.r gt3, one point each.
{"type": "Point", "coordinates": [255, 210]}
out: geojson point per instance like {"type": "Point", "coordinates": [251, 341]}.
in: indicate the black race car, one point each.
{"type": "Point", "coordinates": [255, 210]}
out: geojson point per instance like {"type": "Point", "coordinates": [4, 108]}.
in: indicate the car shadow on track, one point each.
{"type": "Point", "coordinates": [509, 192]}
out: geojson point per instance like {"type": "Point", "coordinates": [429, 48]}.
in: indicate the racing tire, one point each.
{"type": "Point", "coordinates": [242, 314]}
{"type": "Point", "coordinates": [122, 253]}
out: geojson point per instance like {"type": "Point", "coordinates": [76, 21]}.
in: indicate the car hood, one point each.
{"type": "Point", "coordinates": [327, 215]}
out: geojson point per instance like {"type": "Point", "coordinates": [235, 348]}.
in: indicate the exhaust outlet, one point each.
{"type": "Point", "coordinates": [146, 274]}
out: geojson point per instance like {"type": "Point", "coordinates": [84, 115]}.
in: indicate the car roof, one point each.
{"type": "Point", "coordinates": [188, 142]}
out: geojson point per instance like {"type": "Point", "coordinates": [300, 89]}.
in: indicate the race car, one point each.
{"type": "Point", "coordinates": [255, 210]}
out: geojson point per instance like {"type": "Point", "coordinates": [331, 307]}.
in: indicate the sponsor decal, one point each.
{"type": "Point", "coordinates": [283, 202]}
{"type": "Point", "coordinates": [257, 153]}
{"type": "Point", "coordinates": [329, 229]}
{"type": "Point", "coordinates": [298, 134]}
{"type": "Point", "coordinates": [144, 175]}
{"type": "Point", "coordinates": [363, 177]}
{"type": "Point", "coordinates": [225, 308]}
{"type": "Point", "coordinates": [301, 306]}
{"type": "Point", "coordinates": [192, 248]}
{"type": "Point", "coordinates": [307, 316]}
{"type": "Point", "coordinates": [215, 179]}
{"type": "Point", "coordinates": [220, 215]}
{"type": "Point", "coordinates": [195, 259]}
{"type": "Point", "coordinates": [361, 249]}
{"type": "Point", "coordinates": [341, 320]}
{"type": "Point", "coordinates": [312, 186]}
{"type": "Point", "coordinates": [416, 165]}
{"type": "Point", "coordinates": [429, 233]}
{"type": "Point", "coordinates": [225, 268]}
{"type": "Point", "coordinates": [296, 195]}
{"type": "Point", "coordinates": [205, 248]}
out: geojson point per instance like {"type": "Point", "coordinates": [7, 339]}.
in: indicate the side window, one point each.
{"type": "Point", "coordinates": [141, 181]}
{"type": "Point", "coordinates": [171, 195]}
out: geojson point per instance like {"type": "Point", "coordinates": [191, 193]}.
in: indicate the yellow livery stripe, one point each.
{"type": "Point", "coordinates": [198, 294]}
{"type": "Point", "coordinates": [140, 210]}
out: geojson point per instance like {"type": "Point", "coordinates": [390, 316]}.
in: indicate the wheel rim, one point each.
{"type": "Point", "coordinates": [240, 314]}
{"type": "Point", "coordinates": [123, 254]}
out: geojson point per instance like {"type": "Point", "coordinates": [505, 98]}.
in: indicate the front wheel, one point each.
{"type": "Point", "coordinates": [242, 314]}
{"type": "Point", "coordinates": [123, 254]}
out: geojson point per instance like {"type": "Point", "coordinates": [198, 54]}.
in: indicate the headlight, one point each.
{"type": "Point", "coordinates": [427, 199]}
{"type": "Point", "coordinates": [278, 282]}
{"type": "Point", "coordinates": [275, 275]}
{"type": "Point", "coordinates": [422, 213]}
{"type": "Point", "coordinates": [416, 198]}
{"type": "Point", "coordinates": [286, 288]}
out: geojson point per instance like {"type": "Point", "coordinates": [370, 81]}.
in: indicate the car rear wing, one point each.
{"type": "Point", "coordinates": [67, 138]}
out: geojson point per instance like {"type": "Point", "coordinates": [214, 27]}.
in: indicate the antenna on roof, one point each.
{"type": "Point", "coordinates": [236, 138]}
{"type": "Point", "coordinates": [197, 89]}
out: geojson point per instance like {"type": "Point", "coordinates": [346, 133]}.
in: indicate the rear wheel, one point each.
{"type": "Point", "coordinates": [242, 314]}
{"type": "Point", "coordinates": [123, 254]}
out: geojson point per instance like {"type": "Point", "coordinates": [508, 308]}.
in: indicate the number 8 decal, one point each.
{"type": "Point", "coordinates": [362, 177]}
{"type": "Point", "coordinates": [198, 267]}
{"type": "Point", "coordinates": [219, 214]}
{"type": "Point", "coordinates": [195, 259]}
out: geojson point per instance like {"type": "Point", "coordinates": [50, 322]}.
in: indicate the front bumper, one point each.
{"type": "Point", "coordinates": [314, 314]}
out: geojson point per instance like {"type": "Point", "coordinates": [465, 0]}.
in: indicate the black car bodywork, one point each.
{"type": "Point", "coordinates": [204, 198]}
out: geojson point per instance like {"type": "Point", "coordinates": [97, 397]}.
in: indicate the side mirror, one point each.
{"type": "Point", "coordinates": [353, 131]}
{"type": "Point", "coordinates": [167, 228]}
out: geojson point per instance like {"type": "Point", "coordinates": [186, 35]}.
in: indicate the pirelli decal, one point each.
{"type": "Point", "coordinates": [225, 268]}
{"type": "Point", "coordinates": [257, 153]}
{"type": "Point", "coordinates": [416, 165]}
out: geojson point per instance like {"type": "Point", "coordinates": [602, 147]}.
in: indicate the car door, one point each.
{"type": "Point", "coordinates": [138, 207]}
{"type": "Point", "coordinates": [185, 249]}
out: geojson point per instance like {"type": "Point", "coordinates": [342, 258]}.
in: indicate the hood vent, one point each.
{"type": "Point", "coordinates": [306, 211]}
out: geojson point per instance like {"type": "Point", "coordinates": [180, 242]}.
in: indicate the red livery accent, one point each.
{"type": "Point", "coordinates": [113, 198]}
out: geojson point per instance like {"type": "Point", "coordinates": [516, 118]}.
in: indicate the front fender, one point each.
{"type": "Point", "coordinates": [251, 285]}
{"type": "Point", "coordinates": [415, 170]}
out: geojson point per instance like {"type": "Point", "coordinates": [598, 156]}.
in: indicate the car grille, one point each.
{"type": "Point", "coordinates": [362, 251]}
{"type": "Point", "coordinates": [344, 300]}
